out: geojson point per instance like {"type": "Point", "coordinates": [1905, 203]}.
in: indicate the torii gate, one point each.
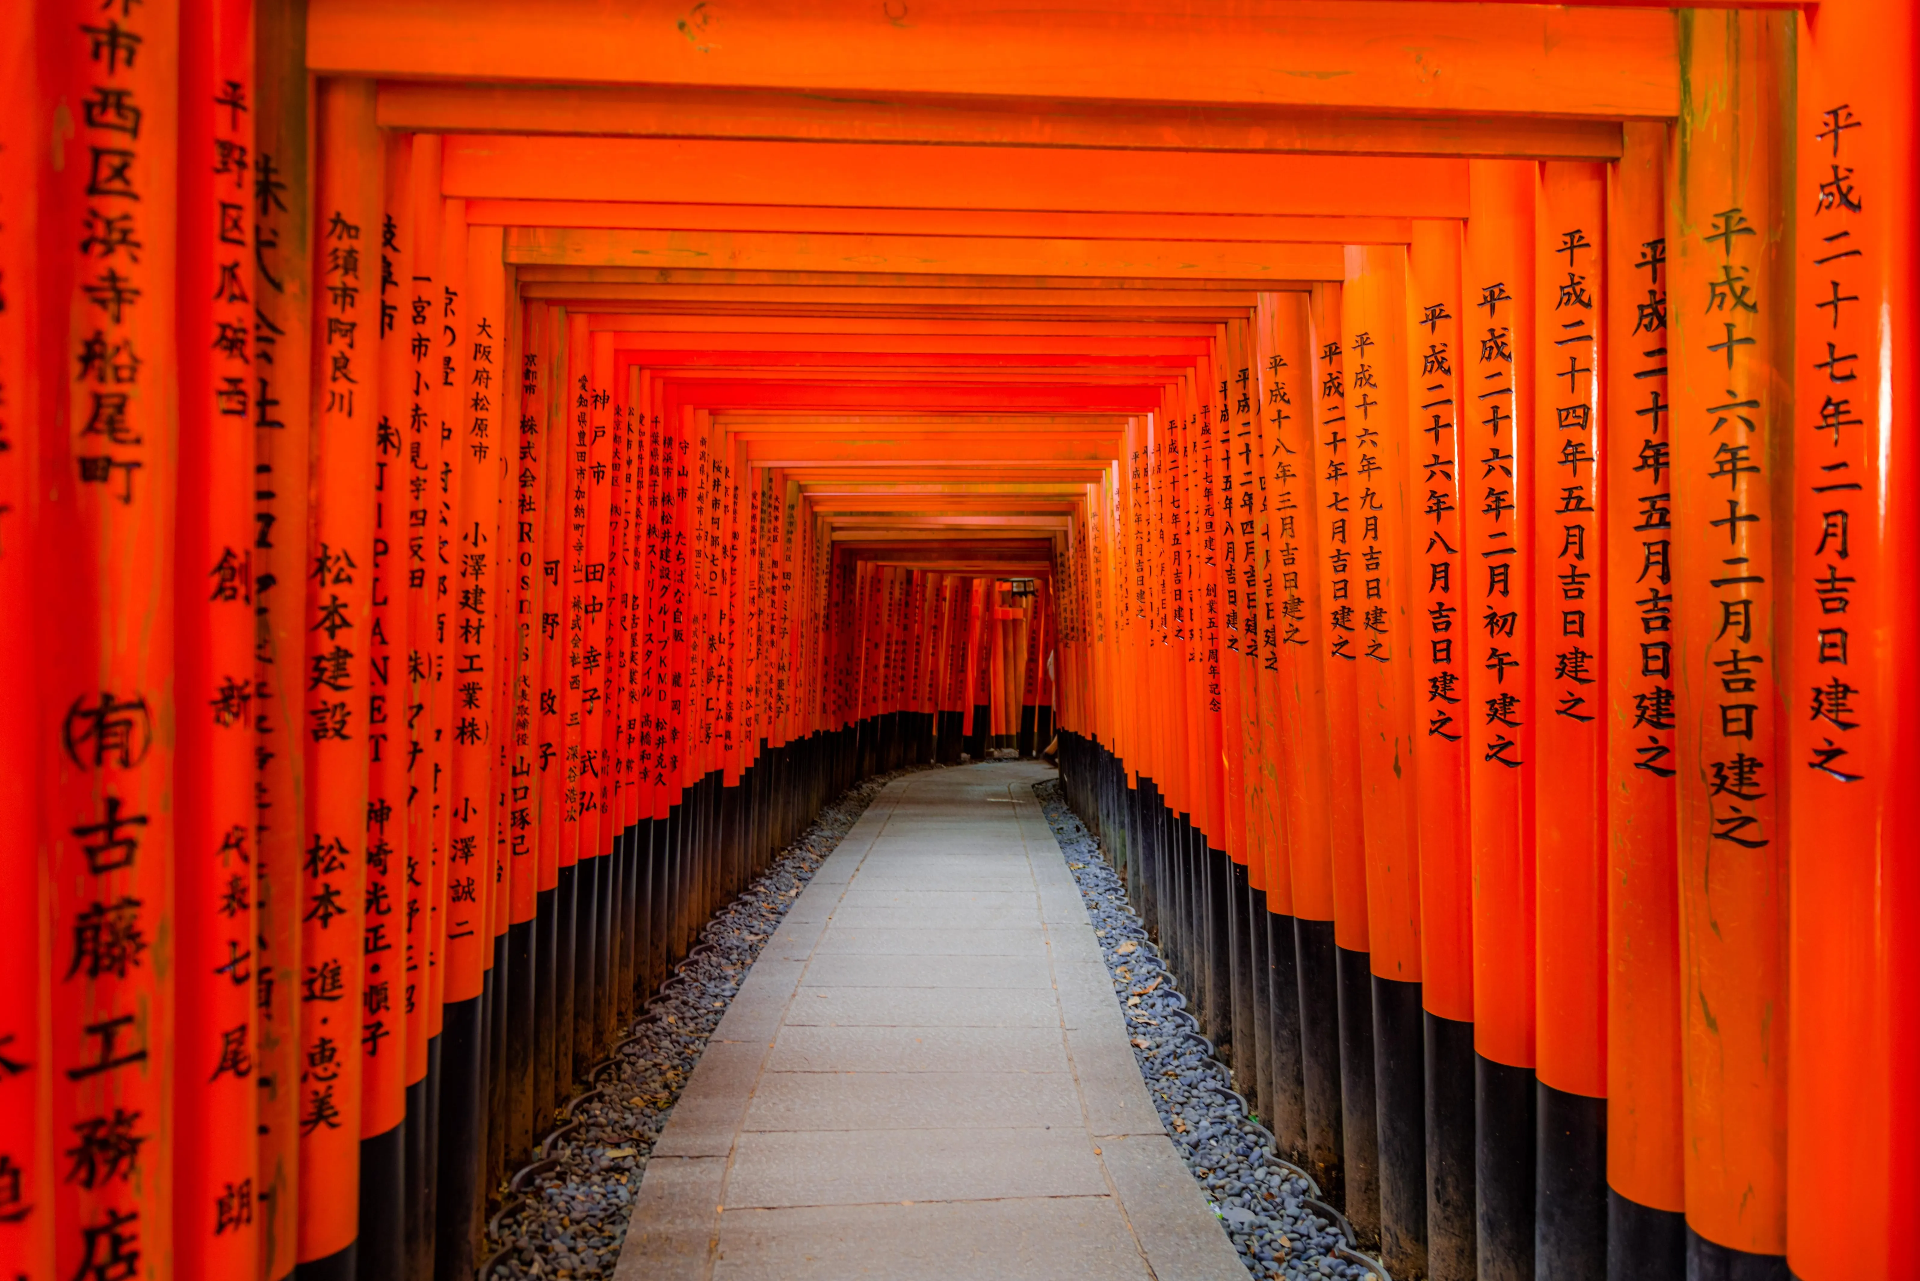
{"type": "Point", "coordinates": [1459, 445]}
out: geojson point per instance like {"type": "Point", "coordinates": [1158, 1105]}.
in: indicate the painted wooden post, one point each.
{"type": "Point", "coordinates": [1569, 680]}
{"type": "Point", "coordinates": [214, 1175]}
{"type": "Point", "coordinates": [27, 1144]}
{"type": "Point", "coordinates": [1434, 459]}
{"type": "Point", "coordinates": [282, 420]}
{"type": "Point", "coordinates": [339, 587]}
{"type": "Point", "coordinates": [1497, 459]}
{"type": "Point", "coordinates": [1306, 782]}
{"type": "Point", "coordinates": [104, 604]}
{"type": "Point", "coordinates": [384, 1041]}
{"type": "Point", "coordinates": [1852, 1105]}
{"type": "Point", "coordinates": [1728, 237]}
{"type": "Point", "coordinates": [426, 750]}
{"type": "Point", "coordinates": [1375, 296]}
{"type": "Point", "coordinates": [1646, 1227]}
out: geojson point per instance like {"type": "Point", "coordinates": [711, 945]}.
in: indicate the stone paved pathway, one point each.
{"type": "Point", "coordinates": [926, 1075]}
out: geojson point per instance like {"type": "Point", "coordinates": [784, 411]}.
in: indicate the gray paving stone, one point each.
{"type": "Point", "coordinates": [917, 918]}
{"type": "Point", "coordinates": [939, 898]}
{"type": "Point", "coordinates": [841, 970]}
{"type": "Point", "coordinates": [704, 1121]}
{"type": "Point", "coordinates": [849, 1167]}
{"type": "Point", "coordinates": [914, 1033]}
{"type": "Point", "coordinates": [1051, 1239]}
{"type": "Point", "coordinates": [891, 880]}
{"type": "Point", "coordinates": [923, 1007]}
{"type": "Point", "coordinates": [847, 940]}
{"type": "Point", "coordinates": [1168, 1212]}
{"type": "Point", "coordinates": [888, 1049]}
{"type": "Point", "coordinates": [911, 1100]}
{"type": "Point", "coordinates": [675, 1220]}
{"type": "Point", "coordinates": [794, 938]}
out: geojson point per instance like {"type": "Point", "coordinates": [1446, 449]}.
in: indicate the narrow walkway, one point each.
{"type": "Point", "coordinates": [926, 1074]}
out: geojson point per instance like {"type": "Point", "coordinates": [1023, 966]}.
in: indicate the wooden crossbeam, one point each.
{"type": "Point", "coordinates": [652, 111]}
{"type": "Point", "coordinates": [939, 255]}
{"type": "Point", "coordinates": [1333, 54]}
{"type": "Point", "coordinates": [874, 176]}
{"type": "Point", "coordinates": [642, 215]}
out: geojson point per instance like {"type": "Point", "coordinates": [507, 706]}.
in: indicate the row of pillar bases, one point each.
{"type": "Point", "coordinates": [1450, 1165]}
{"type": "Point", "coordinates": [508, 1063]}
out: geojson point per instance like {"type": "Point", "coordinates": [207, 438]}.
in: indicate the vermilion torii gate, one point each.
{"type": "Point", "coordinates": [475, 478]}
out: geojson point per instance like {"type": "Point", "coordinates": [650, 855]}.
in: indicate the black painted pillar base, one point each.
{"type": "Point", "coordinates": [382, 1244]}
{"type": "Point", "coordinates": [1707, 1261]}
{"type": "Point", "coordinates": [418, 1262]}
{"type": "Point", "coordinates": [342, 1265]}
{"type": "Point", "coordinates": [1287, 1109]}
{"type": "Point", "coordinates": [1359, 1119]}
{"type": "Point", "coordinates": [1399, 1081]}
{"type": "Point", "coordinates": [1225, 965]}
{"type": "Point", "coordinates": [1452, 1160]}
{"type": "Point", "coordinates": [1644, 1244]}
{"type": "Point", "coordinates": [1570, 1203]}
{"type": "Point", "coordinates": [1506, 1101]}
{"type": "Point", "coordinates": [1252, 916]}
{"type": "Point", "coordinates": [457, 1163]}
{"type": "Point", "coordinates": [1320, 1054]}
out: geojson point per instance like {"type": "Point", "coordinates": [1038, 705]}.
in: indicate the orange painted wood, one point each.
{"type": "Point", "coordinates": [1569, 670]}
{"type": "Point", "coordinates": [467, 681]}
{"type": "Point", "coordinates": [556, 851]}
{"type": "Point", "coordinates": [384, 1042]}
{"type": "Point", "coordinates": [533, 458]}
{"type": "Point", "coordinates": [485, 436]}
{"type": "Point", "coordinates": [646, 111]}
{"type": "Point", "coordinates": [593, 488]}
{"type": "Point", "coordinates": [1346, 54]}
{"type": "Point", "coordinates": [641, 215]}
{"type": "Point", "coordinates": [105, 596]}
{"type": "Point", "coordinates": [282, 413]}
{"type": "Point", "coordinates": [574, 168]}
{"type": "Point", "coordinates": [578, 398]}
{"type": "Point", "coordinates": [1374, 311]}
{"type": "Point", "coordinates": [339, 585]}
{"type": "Point", "coordinates": [1643, 986]}
{"type": "Point", "coordinates": [214, 1172]}
{"type": "Point", "coordinates": [932, 255]}
{"type": "Point", "coordinates": [1496, 460]}
{"type": "Point", "coordinates": [1851, 1101]}
{"type": "Point", "coordinates": [26, 1138]}
{"type": "Point", "coordinates": [1273, 382]}
{"type": "Point", "coordinates": [1342, 605]}
{"type": "Point", "coordinates": [1435, 459]}
{"type": "Point", "coordinates": [428, 517]}
{"type": "Point", "coordinates": [1306, 780]}
{"type": "Point", "coordinates": [1228, 592]}
{"type": "Point", "coordinates": [1729, 350]}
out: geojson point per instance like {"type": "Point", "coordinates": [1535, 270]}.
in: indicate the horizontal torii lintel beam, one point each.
{"type": "Point", "coordinates": [652, 111]}
{"type": "Point", "coordinates": [658, 215]}
{"type": "Point", "coordinates": [1366, 55]}
{"type": "Point", "coordinates": [505, 166]}
{"type": "Point", "coordinates": [935, 255]}
{"type": "Point", "coordinates": [1025, 303]}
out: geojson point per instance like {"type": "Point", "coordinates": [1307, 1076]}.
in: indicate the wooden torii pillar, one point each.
{"type": "Point", "coordinates": [1503, 714]}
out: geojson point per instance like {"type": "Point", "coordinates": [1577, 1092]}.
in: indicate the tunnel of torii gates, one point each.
{"type": "Point", "coordinates": [475, 478]}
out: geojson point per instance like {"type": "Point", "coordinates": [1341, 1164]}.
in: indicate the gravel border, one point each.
{"type": "Point", "coordinates": [1262, 1202]}
{"type": "Point", "coordinates": [566, 1214]}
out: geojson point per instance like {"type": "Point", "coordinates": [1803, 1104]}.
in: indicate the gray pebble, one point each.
{"type": "Point", "coordinates": [1229, 1158]}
